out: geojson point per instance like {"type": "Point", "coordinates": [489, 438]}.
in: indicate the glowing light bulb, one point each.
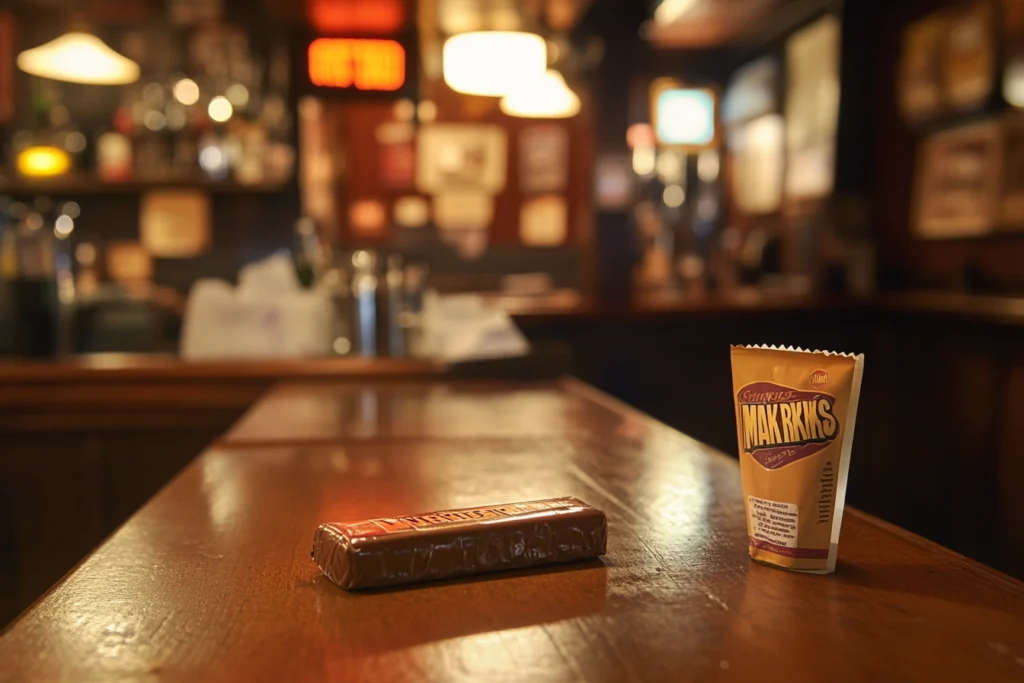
{"type": "Point", "coordinates": [43, 162]}
{"type": "Point", "coordinates": [547, 97]}
{"type": "Point", "coordinates": [493, 63]}
{"type": "Point", "coordinates": [220, 109]}
{"type": "Point", "coordinates": [186, 91]}
{"type": "Point", "coordinates": [79, 58]}
{"type": "Point", "coordinates": [63, 226]}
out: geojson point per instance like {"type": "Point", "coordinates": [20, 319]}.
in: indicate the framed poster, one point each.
{"type": "Point", "coordinates": [543, 158]}
{"type": "Point", "coordinates": [919, 83]}
{"type": "Point", "coordinates": [969, 59]}
{"type": "Point", "coordinates": [129, 263]}
{"type": "Point", "coordinates": [1012, 218]}
{"type": "Point", "coordinates": [463, 219]}
{"type": "Point", "coordinates": [758, 150]}
{"type": "Point", "coordinates": [463, 210]}
{"type": "Point", "coordinates": [543, 221]}
{"type": "Point", "coordinates": [812, 108]}
{"type": "Point", "coordinates": [396, 155]}
{"type": "Point", "coordinates": [752, 91]}
{"type": "Point", "coordinates": [175, 223]}
{"type": "Point", "coordinates": [461, 156]}
{"type": "Point", "coordinates": [959, 181]}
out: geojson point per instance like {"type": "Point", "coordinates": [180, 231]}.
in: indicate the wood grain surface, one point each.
{"type": "Point", "coordinates": [310, 413]}
{"type": "Point", "coordinates": [212, 579]}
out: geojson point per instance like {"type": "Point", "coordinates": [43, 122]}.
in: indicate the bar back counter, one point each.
{"type": "Point", "coordinates": [212, 579]}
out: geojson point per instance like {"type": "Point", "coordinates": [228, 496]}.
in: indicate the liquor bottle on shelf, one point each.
{"type": "Point", "coordinates": [365, 286]}
{"type": "Point", "coordinates": [274, 117]}
{"type": "Point", "coordinates": [114, 155]}
{"type": "Point", "coordinates": [311, 260]}
{"type": "Point", "coordinates": [28, 270]}
{"type": "Point", "coordinates": [152, 148]}
{"type": "Point", "coordinates": [394, 280]}
{"type": "Point", "coordinates": [7, 271]}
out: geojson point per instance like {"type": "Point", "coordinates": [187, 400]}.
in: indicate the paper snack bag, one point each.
{"type": "Point", "coordinates": [795, 413]}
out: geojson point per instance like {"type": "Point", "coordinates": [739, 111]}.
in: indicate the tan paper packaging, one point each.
{"type": "Point", "coordinates": [795, 413]}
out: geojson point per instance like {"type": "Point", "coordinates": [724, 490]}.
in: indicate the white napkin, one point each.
{"type": "Point", "coordinates": [461, 328]}
{"type": "Point", "coordinates": [269, 315]}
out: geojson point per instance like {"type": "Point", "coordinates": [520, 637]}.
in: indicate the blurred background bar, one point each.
{"type": "Point", "coordinates": [201, 197]}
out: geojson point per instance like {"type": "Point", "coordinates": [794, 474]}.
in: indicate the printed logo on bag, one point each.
{"type": "Point", "coordinates": [818, 379]}
{"type": "Point", "coordinates": [781, 425]}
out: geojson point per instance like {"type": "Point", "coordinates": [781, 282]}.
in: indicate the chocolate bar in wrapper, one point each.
{"type": "Point", "coordinates": [440, 545]}
{"type": "Point", "coordinates": [795, 413]}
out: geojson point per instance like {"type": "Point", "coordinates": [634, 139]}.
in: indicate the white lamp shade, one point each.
{"type": "Point", "coordinates": [547, 97]}
{"type": "Point", "coordinates": [493, 63]}
{"type": "Point", "coordinates": [79, 58]}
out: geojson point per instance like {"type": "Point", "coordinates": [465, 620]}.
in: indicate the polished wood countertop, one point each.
{"type": "Point", "coordinates": [212, 580]}
{"type": "Point", "coordinates": [323, 413]}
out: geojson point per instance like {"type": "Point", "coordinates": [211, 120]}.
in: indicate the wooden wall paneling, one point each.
{"type": "Point", "coordinates": [63, 492]}
{"type": "Point", "coordinates": [50, 500]}
{"type": "Point", "coordinates": [971, 393]}
{"type": "Point", "coordinates": [1010, 454]}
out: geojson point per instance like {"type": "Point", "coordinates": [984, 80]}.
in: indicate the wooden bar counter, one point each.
{"type": "Point", "coordinates": [212, 580]}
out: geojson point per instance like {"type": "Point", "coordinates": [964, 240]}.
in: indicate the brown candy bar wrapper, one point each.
{"type": "Point", "coordinates": [795, 414]}
{"type": "Point", "coordinates": [449, 543]}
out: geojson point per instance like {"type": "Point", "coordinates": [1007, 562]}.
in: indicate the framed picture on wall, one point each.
{"type": "Point", "coordinates": [812, 109]}
{"type": "Point", "coordinates": [396, 155]}
{"type": "Point", "coordinates": [543, 158]}
{"type": "Point", "coordinates": [969, 58]}
{"type": "Point", "coordinates": [752, 91]}
{"type": "Point", "coordinates": [465, 156]}
{"type": "Point", "coordinates": [175, 223]}
{"type": "Point", "coordinates": [959, 182]}
{"type": "Point", "coordinates": [919, 83]}
{"type": "Point", "coordinates": [544, 221]}
{"type": "Point", "coordinates": [758, 150]}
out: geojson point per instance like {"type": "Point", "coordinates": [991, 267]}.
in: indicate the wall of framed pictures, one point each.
{"type": "Point", "coordinates": [960, 101]}
{"type": "Point", "coordinates": [780, 121]}
{"type": "Point", "coordinates": [948, 129]}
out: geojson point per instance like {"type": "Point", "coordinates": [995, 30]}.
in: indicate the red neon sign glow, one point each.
{"type": "Point", "coordinates": [356, 16]}
{"type": "Point", "coordinates": [361, 63]}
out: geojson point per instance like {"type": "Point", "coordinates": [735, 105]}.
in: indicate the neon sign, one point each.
{"type": "Point", "coordinates": [359, 63]}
